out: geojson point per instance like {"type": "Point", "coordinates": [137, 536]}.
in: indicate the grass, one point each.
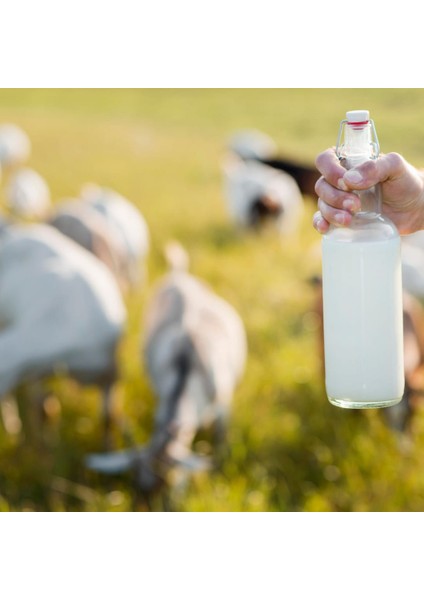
{"type": "Point", "coordinates": [289, 449]}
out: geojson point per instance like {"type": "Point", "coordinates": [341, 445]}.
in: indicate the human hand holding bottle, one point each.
{"type": "Point", "coordinates": [402, 188]}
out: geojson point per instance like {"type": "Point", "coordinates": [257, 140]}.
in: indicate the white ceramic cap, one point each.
{"type": "Point", "coordinates": [357, 116]}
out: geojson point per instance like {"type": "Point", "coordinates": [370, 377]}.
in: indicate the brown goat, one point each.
{"type": "Point", "coordinates": [305, 175]}
{"type": "Point", "coordinates": [254, 145]}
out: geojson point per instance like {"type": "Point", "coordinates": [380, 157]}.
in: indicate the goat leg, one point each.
{"type": "Point", "coordinates": [108, 419]}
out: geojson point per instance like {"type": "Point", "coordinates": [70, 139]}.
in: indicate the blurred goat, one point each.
{"type": "Point", "coordinates": [305, 175]}
{"type": "Point", "coordinates": [398, 416]}
{"type": "Point", "coordinates": [100, 223]}
{"type": "Point", "coordinates": [251, 144]}
{"type": "Point", "coordinates": [126, 221]}
{"type": "Point", "coordinates": [195, 352]}
{"type": "Point", "coordinates": [256, 193]}
{"type": "Point", "coordinates": [82, 223]}
{"type": "Point", "coordinates": [413, 263]}
{"type": "Point", "coordinates": [255, 145]}
{"type": "Point", "coordinates": [15, 146]}
{"type": "Point", "coordinates": [27, 194]}
{"type": "Point", "coordinates": [61, 311]}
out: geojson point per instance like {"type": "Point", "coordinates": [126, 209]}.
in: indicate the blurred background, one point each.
{"type": "Point", "coordinates": [288, 448]}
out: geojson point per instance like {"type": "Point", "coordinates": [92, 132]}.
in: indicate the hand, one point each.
{"type": "Point", "coordinates": [402, 188]}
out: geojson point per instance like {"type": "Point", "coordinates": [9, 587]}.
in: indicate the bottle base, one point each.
{"type": "Point", "coordinates": [347, 403]}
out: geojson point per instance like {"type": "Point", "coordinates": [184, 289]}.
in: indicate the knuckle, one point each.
{"type": "Point", "coordinates": [322, 159]}
{"type": "Point", "coordinates": [319, 160]}
{"type": "Point", "coordinates": [323, 207]}
{"type": "Point", "coordinates": [368, 170]}
{"type": "Point", "coordinates": [397, 162]}
{"type": "Point", "coordinates": [318, 185]}
{"type": "Point", "coordinates": [328, 193]}
{"type": "Point", "coordinates": [317, 216]}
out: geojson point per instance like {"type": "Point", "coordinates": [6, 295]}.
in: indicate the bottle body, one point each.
{"type": "Point", "coordinates": [363, 316]}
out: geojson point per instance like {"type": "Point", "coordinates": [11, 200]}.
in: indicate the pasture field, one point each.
{"type": "Point", "coordinates": [289, 449]}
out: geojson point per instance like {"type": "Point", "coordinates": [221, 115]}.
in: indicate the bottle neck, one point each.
{"type": "Point", "coordinates": [357, 149]}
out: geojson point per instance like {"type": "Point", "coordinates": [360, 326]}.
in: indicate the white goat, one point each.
{"type": "Point", "coordinates": [15, 145]}
{"type": "Point", "coordinates": [61, 311]}
{"type": "Point", "coordinates": [251, 144]}
{"type": "Point", "coordinates": [256, 192]}
{"type": "Point", "coordinates": [80, 221]}
{"type": "Point", "coordinates": [127, 222]}
{"type": "Point", "coordinates": [195, 353]}
{"type": "Point", "coordinates": [27, 194]}
{"type": "Point", "coordinates": [103, 222]}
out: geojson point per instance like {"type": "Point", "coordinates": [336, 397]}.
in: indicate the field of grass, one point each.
{"type": "Point", "coordinates": [289, 449]}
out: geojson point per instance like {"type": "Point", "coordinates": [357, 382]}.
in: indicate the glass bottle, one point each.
{"type": "Point", "coordinates": [362, 290]}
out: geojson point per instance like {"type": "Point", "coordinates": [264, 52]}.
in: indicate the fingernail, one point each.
{"type": "Point", "coordinates": [318, 222]}
{"type": "Point", "coordinates": [353, 176]}
{"type": "Point", "coordinates": [350, 205]}
{"type": "Point", "coordinates": [342, 185]}
{"type": "Point", "coordinates": [339, 218]}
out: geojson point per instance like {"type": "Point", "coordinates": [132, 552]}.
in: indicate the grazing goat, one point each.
{"type": "Point", "coordinates": [195, 352]}
{"type": "Point", "coordinates": [15, 146]}
{"type": "Point", "coordinates": [27, 194]}
{"type": "Point", "coordinates": [251, 144]}
{"type": "Point", "coordinates": [103, 222]}
{"type": "Point", "coordinates": [83, 224]}
{"type": "Point", "coordinates": [398, 416]}
{"type": "Point", "coordinates": [254, 145]}
{"type": "Point", "coordinates": [256, 193]}
{"type": "Point", "coordinates": [305, 175]}
{"type": "Point", "coordinates": [61, 311]}
{"type": "Point", "coordinates": [127, 222]}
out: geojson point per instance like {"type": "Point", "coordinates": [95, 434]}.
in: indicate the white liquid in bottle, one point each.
{"type": "Point", "coordinates": [362, 296]}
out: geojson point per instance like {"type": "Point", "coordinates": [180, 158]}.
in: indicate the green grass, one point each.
{"type": "Point", "coordinates": [289, 449]}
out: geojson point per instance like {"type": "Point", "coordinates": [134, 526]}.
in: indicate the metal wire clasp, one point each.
{"type": "Point", "coordinates": [375, 145]}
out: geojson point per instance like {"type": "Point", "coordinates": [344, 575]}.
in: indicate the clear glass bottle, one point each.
{"type": "Point", "coordinates": [362, 290]}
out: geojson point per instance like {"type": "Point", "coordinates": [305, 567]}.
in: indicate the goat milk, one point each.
{"type": "Point", "coordinates": [362, 289]}
{"type": "Point", "coordinates": [363, 327]}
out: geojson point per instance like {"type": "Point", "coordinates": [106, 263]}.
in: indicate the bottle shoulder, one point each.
{"type": "Point", "coordinates": [364, 228]}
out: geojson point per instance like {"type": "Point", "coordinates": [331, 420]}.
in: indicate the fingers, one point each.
{"type": "Point", "coordinates": [329, 166]}
{"type": "Point", "coordinates": [335, 197]}
{"type": "Point", "coordinates": [326, 216]}
{"type": "Point", "coordinates": [337, 200]}
{"type": "Point", "coordinates": [320, 224]}
{"type": "Point", "coordinates": [332, 191]}
{"type": "Point", "coordinates": [388, 166]}
{"type": "Point", "coordinates": [341, 218]}
{"type": "Point", "coordinates": [334, 203]}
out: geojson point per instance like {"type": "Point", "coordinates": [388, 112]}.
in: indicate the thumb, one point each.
{"type": "Point", "coordinates": [371, 172]}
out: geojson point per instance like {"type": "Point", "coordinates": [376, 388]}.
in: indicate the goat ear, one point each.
{"type": "Point", "coordinates": [194, 462]}
{"type": "Point", "coordinates": [111, 463]}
